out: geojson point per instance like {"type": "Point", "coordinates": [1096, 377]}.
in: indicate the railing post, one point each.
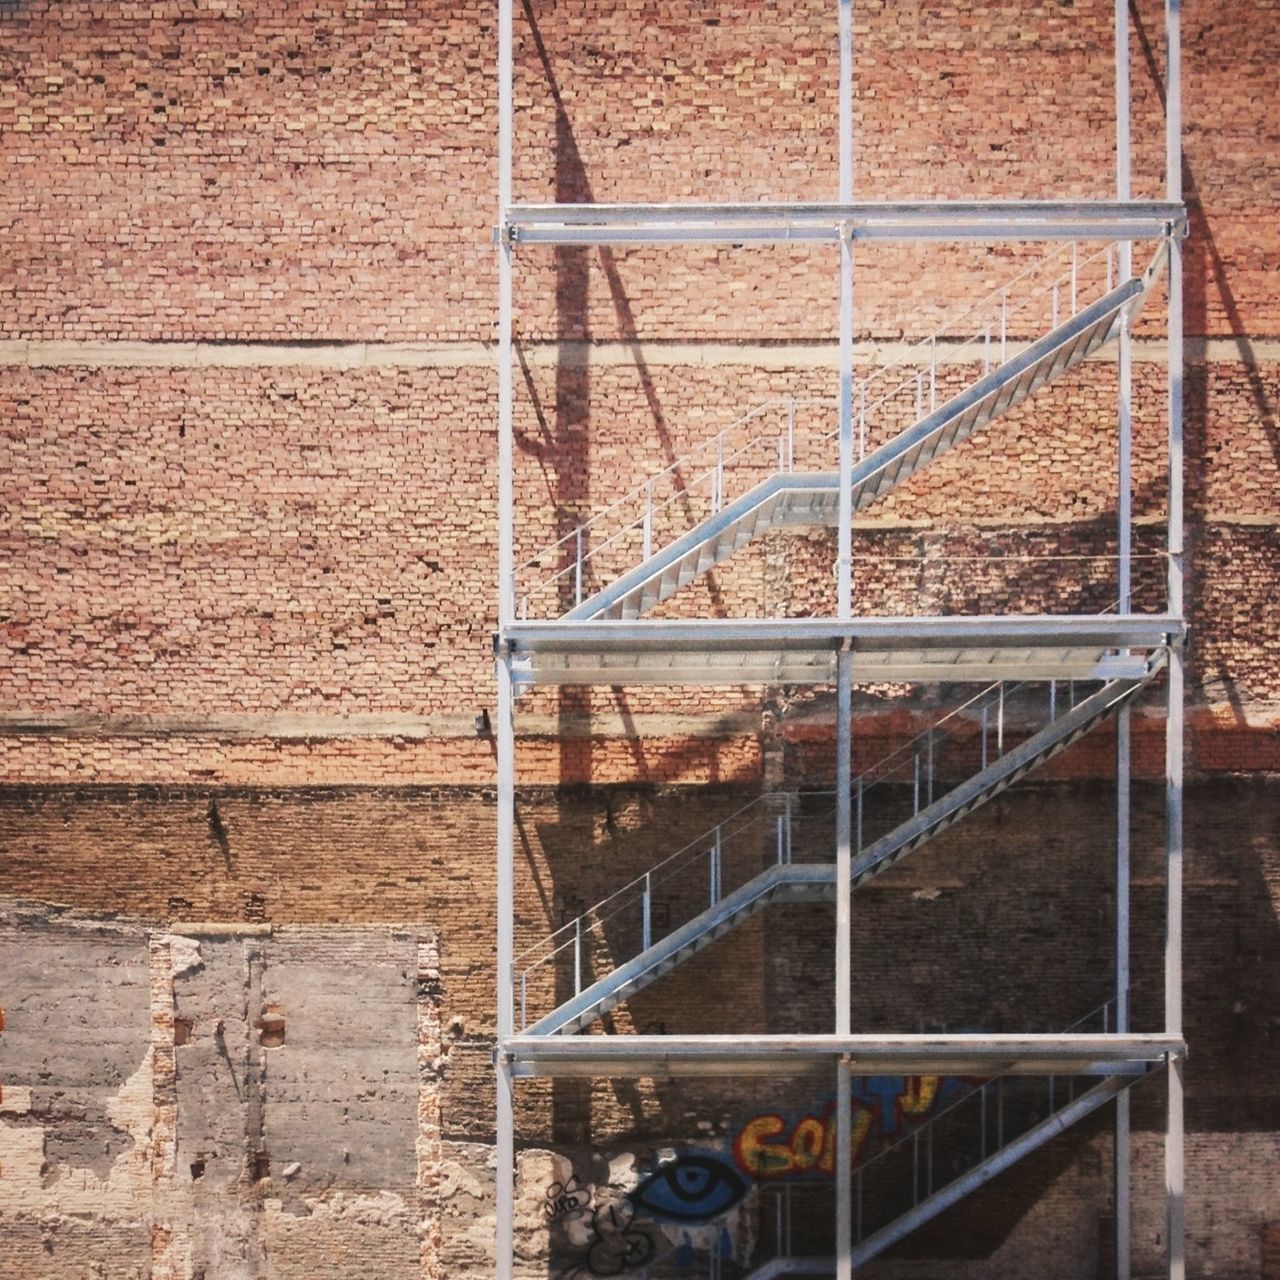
{"type": "Point", "coordinates": [1004, 325]}
{"type": "Point", "coordinates": [577, 955]}
{"type": "Point", "coordinates": [717, 490]}
{"type": "Point", "coordinates": [1110, 284]}
{"type": "Point", "coordinates": [1074, 272]}
{"type": "Point", "coordinates": [984, 736]}
{"type": "Point", "coordinates": [524, 1000]}
{"type": "Point", "coordinates": [648, 520]}
{"type": "Point", "coordinates": [929, 778]}
{"type": "Point", "coordinates": [1054, 325]}
{"type": "Point", "coordinates": [862, 419]}
{"type": "Point", "coordinates": [646, 932]}
{"type": "Point", "coordinates": [715, 868]}
{"type": "Point", "coordinates": [919, 396]}
{"type": "Point", "coordinates": [982, 1119]}
{"type": "Point", "coordinates": [780, 852]}
{"type": "Point", "coordinates": [1000, 724]}
{"type": "Point", "coordinates": [986, 350]}
{"type": "Point", "coordinates": [916, 785]}
{"type": "Point", "coordinates": [577, 565]}
{"type": "Point", "coordinates": [1053, 700]}
{"type": "Point", "coordinates": [791, 434]}
{"type": "Point", "coordinates": [787, 815]}
{"type": "Point", "coordinates": [933, 374]}
{"type": "Point", "coordinates": [858, 821]}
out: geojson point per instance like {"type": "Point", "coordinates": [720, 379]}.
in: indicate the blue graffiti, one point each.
{"type": "Point", "coordinates": [692, 1188]}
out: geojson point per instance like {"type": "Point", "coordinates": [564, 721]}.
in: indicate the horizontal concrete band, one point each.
{"type": "Point", "coordinates": [467, 354]}
{"type": "Point", "coordinates": [250, 727]}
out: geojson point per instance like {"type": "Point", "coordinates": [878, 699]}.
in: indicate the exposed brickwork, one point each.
{"type": "Point", "coordinates": [196, 552]}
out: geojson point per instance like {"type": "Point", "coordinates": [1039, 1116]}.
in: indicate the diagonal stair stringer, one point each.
{"type": "Point", "coordinates": [791, 499]}
{"type": "Point", "coordinates": [815, 882]}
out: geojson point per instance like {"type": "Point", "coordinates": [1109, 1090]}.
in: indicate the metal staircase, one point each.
{"type": "Point", "coordinates": [899, 1189]}
{"type": "Point", "coordinates": [796, 498]}
{"type": "Point", "coordinates": [788, 881]}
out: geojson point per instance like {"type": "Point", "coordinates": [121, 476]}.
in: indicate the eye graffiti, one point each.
{"type": "Point", "coordinates": [692, 1188]}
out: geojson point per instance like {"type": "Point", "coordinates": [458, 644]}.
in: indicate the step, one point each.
{"type": "Point", "coordinates": [807, 881]}
{"type": "Point", "coordinates": [791, 499]}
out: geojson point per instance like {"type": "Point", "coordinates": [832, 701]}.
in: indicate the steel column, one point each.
{"type": "Point", "coordinates": [1124, 538]}
{"type": "Point", "coordinates": [1174, 1170]}
{"type": "Point", "coordinates": [505, 727]}
{"type": "Point", "coordinates": [844, 676]}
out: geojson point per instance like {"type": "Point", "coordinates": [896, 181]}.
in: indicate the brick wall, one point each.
{"type": "Point", "coordinates": [248, 524]}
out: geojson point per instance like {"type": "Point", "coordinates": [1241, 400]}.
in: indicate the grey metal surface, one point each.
{"type": "Point", "coordinates": [772, 222]}
{"type": "Point", "coordinates": [803, 650]}
{"type": "Point", "coordinates": [659, 1056]}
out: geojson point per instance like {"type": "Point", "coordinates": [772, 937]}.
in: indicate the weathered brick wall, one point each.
{"type": "Point", "coordinates": [248, 518]}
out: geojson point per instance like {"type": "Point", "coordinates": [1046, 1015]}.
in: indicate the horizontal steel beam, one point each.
{"type": "Point", "coordinates": [802, 650]}
{"type": "Point", "coordinates": [961, 1054]}
{"type": "Point", "coordinates": [767, 668]}
{"type": "Point", "coordinates": [881, 634]}
{"type": "Point", "coordinates": [774, 222]}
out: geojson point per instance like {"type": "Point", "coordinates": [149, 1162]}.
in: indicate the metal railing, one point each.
{"type": "Point", "coordinates": [902, 1173]}
{"type": "Point", "coordinates": [787, 434]}
{"type": "Point", "coordinates": [769, 831]}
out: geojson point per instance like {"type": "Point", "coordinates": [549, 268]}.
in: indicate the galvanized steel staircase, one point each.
{"type": "Point", "coordinates": [924, 1207]}
{"type": "Point", "coordinates": [791, 499]}
{"type": "Point", "coordinates": [815, 882]}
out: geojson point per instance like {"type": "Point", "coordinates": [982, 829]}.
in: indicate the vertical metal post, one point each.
{"type": "Point", "coordinates": [1000, 723]}
{"type": "Point", "coordinates": [791, 434]}
{"type": "Point", "coordinates": [1121, 1158]}
{"type": "Point", "coordinates": [646, 918]}
{"type": "Point", "coordinates": [505, 735]}
{"type": "Point", "coordinates": [577, 565]}
{"type": "Point", "coordinates": [858, 833]}
{"type": "Point", "coordinates": [715, 868]}
{"type": "Point", "coordinates": [984, 736]}
{"type": "Point", "coordinates": [1174, 1173]}
{"type": "Point", "coordinates": [577, 955]}
{"type": "Point", "coordinates": [1004, 325]}
{"type": "Point", "coordinates": [862, 420]}
{"type": "Point", "coordinates": [648, 520]}
{"type": "Point", "coordinates": [844, 676]}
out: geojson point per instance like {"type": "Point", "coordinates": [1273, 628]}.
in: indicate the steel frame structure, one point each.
{"type": "Point", "coordinates": [843, 649]}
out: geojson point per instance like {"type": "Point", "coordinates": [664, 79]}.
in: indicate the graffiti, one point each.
{"type": "Point", "coordinates": [770, 1146]}
{"type": "Point", "coordinates": [567, 1201]}
{"type": "Point", "coordinates": [614, 1244]}
{"type": "Point", "coordinates": [692, 1188]}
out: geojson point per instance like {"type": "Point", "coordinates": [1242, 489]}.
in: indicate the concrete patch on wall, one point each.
{"type": "Point", "coordinates": [232, 1101]}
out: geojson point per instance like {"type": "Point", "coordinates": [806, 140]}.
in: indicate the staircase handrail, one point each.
{"type": "Point", "coordinates": [697, 847]}
{"type": "Point", "coordinates": [581, 532]}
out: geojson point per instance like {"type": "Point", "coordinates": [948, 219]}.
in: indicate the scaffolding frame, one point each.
{"type": "Point", "coordinates": [843, 649]}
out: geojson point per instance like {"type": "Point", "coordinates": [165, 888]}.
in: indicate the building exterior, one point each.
{"type": "Point", "coordinates": [248, 817]}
